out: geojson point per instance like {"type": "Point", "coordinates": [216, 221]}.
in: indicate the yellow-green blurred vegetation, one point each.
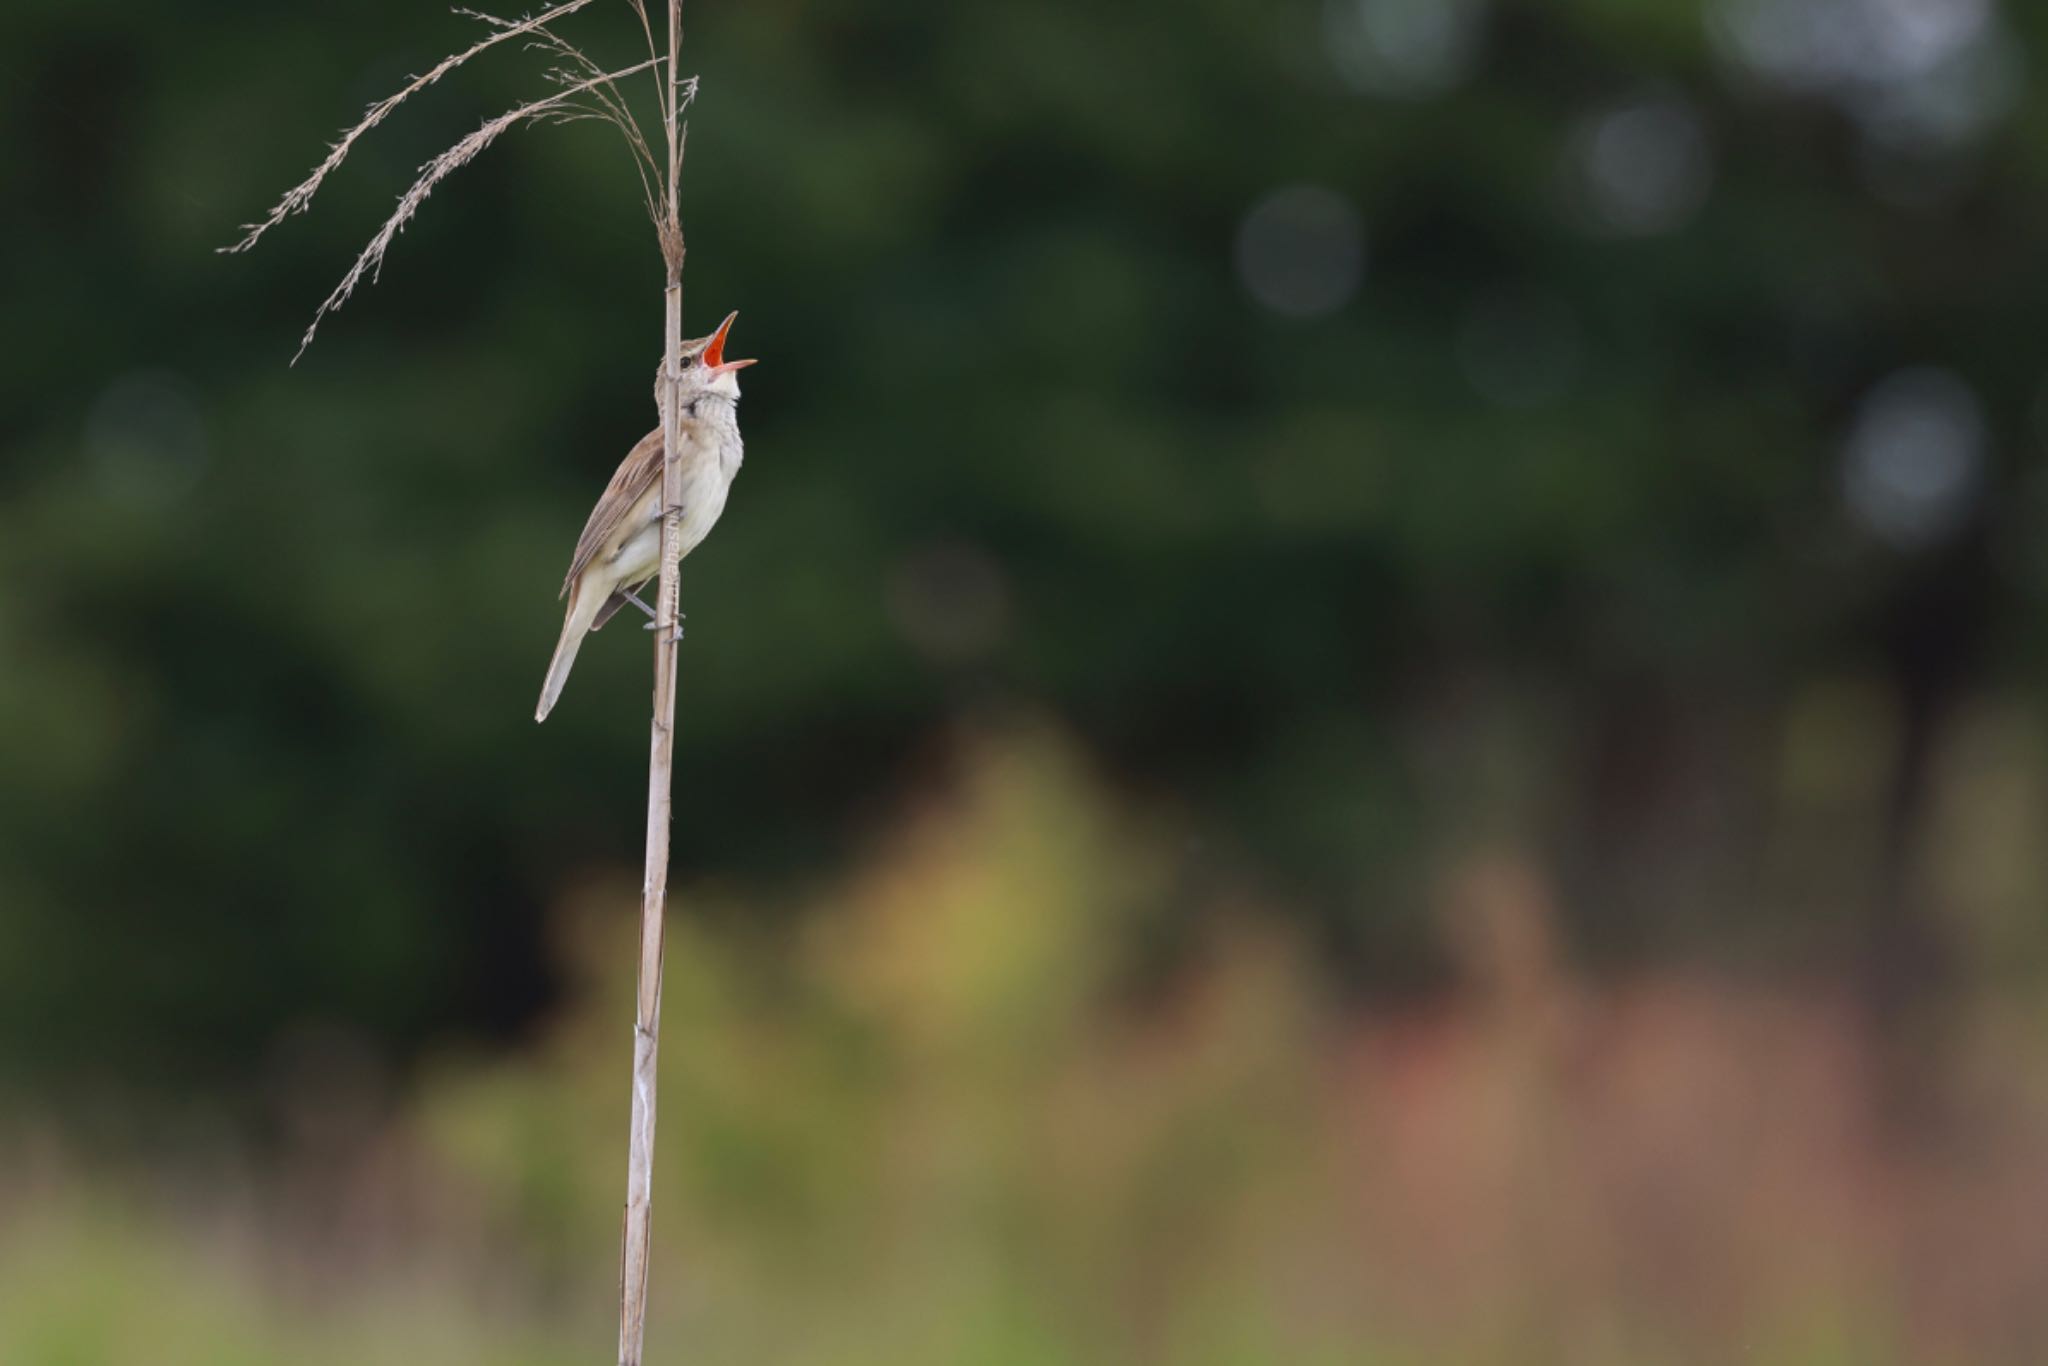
{"type": "Point", "coordinates": [957, 1120]}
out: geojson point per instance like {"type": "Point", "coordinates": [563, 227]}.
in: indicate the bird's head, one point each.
{"type": "Point", "coordinates": [705, 367]}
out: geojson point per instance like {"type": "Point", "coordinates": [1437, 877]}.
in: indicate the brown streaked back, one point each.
{"type": "Point", "coordinates": [636, 474]}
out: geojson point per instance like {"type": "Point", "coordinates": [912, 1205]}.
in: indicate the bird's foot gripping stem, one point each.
{"type": "Point", "coordinates": [653, 617]}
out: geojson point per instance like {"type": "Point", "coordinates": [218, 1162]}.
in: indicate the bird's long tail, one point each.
{"type": "Point", "coordinates": [583, 610]}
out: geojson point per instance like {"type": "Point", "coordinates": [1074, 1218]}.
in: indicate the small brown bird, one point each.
{"type": "Point", "coordinates": [620, 548]}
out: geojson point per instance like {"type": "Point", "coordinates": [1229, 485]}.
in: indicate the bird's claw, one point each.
{"type": "Point", "coordinates": [677, 639]}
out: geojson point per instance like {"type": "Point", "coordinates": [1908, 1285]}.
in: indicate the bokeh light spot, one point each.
{"type": "Point", "coordinates": [1908, 71]}
{"type": "Point", "coordinates": [1915, 458]}
{"type": "Point", "coordinates": [1301, 251]}
{"type": "Point", "coordinates": [1404, 49]}
{"type": "Point", "coordinates": [1644, 167]}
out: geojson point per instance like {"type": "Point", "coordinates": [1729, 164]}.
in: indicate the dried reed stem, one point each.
{"type": "Point", "coordinates": [594, 95]}
{"type": "Point", "coordinates": [636, 1238]}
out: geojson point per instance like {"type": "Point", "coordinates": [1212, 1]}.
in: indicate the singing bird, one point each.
{"type": "Point", "coordinates": [620, 548]}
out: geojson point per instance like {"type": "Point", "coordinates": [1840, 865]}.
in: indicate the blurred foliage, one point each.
{"type": "Point", "coordinates": [1525, 513]}
{"type": "Point", "coordinates": [938, 1132]}
{"type": "Point", "coordinates": [1550, 529]}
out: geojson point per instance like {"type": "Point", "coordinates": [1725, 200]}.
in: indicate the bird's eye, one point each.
{"type": "Point", "coordinates": [689, 361]}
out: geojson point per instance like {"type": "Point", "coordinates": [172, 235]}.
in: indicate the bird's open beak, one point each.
{"type": "Point", "coordinates": [714, 354]}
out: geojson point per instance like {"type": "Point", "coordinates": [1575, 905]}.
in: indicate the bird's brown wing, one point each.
{"type": "Point", "coordinates": [636, 474]}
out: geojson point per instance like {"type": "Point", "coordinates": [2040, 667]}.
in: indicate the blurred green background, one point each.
{"type": "Point", "coordinates": [1375, 693]}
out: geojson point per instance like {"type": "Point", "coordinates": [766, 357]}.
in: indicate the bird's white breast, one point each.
{"type": "Point", "coordinates": [704, 491]}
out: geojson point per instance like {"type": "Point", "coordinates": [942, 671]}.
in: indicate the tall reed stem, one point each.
{"type": "Point", "coordinates": [586, 91]}
{"type": "Point", "coordinates": [637, 1235]}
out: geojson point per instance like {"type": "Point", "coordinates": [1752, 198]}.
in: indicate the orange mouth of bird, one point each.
{"type": "Point", "coordinates": [714, 354]}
